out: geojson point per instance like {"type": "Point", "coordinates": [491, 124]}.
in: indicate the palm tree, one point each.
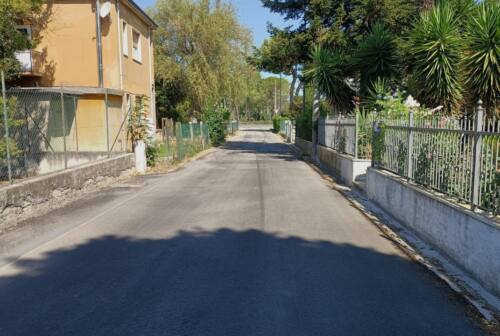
{"type": "Point", "coordinates": [376, 57]}
{"type": "Point", "coordinates": [329, 72]}
{"type": "Point", "coordinates": [436, 46]}
{"type": "Point", "coordinates": [482, 63]}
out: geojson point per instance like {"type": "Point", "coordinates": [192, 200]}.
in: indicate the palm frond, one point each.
{"type": "Point", "coordinates": [328, 71]}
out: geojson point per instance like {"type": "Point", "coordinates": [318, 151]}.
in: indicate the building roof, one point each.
{"type": "Point", "coordinates": [141, 13]}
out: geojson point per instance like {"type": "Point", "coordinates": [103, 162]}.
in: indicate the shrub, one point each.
{"type": "Point", "coordinates": [214, 117]}
{"type": "Point", "coordinates": [304, 124]}
{"type": "Point", "coordinates": [276, 124]}
{"type": "Point", "coordinates": [138, 121]}
{"type": "Point", "coordinates": [152, 154]}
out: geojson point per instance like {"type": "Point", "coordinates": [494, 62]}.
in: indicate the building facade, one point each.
{"type": "Point", "coordinates": [102, 53]}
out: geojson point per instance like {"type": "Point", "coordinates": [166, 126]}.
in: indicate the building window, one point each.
{"type": "Point", "coordinates": [25, 30]}
{"type": "Point", "coordinates": [124, 38]}
{"type": "Point", "coordinates": [136, 46]}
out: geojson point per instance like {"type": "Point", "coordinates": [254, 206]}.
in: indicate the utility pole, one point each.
{"type": "Point", "coordinates": [275, 101]}
{"type": "Point", "coordinates": [280, 94]}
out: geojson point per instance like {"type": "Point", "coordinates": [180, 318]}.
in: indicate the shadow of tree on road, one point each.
{"type": "Point", "coordinates": [225, 282]}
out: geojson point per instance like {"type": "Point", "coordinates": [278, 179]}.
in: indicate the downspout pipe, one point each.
{"type": "Point", "coordinates": [99, 42]}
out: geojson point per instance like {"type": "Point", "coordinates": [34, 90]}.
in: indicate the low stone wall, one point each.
{"type": "Point", "coordinates": [470, 240]}
{"type": "Point", "coordinates": [304, 145]}
{"type": "Point", "coordinates": [344, 167]}
{"type": "Point", "coordinates": [37, 195]}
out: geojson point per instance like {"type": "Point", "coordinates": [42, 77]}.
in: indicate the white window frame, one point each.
{"type": "Point", "coordinates": [136, 52]}
{"type": "Point", "coordinates": [125, 38]}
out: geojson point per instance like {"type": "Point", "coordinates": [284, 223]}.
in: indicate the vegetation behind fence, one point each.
{"type": "Point", "coordinates": [182, 140]}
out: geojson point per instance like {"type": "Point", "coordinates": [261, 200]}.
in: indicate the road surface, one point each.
{"type": "Point", "coordinates": [245, 241]}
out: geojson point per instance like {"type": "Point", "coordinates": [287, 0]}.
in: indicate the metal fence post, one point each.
{"type": "Point", "coordinates": [409, 154]}
{"type": "Point", "coordinates": [356, 134]}
{"type": "Point", "coordinates": [107, 122]}
{"type": "Point", "coordinates": [6, 126]}
{"type": "Point", "coordinates": [476, 160]}
{"type": "Point", "coordinates": [63, 121]}
{"type": "Point", "coordinates": [76, 123]}
{"type": "Point", "coordinates": [202, 135]}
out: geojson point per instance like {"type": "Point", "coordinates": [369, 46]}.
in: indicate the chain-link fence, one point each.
{"type": "Point", "coordinates": [182, 140]}
{"type": "Point", "coordinates": [50, 129]}
{"type": "Point", "coordinates": [232, 127]}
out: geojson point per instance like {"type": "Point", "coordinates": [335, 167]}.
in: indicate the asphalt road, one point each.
{"type": "Point", "coordinates": [245, 241]}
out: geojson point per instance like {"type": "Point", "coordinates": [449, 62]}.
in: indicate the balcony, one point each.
{"type": "Point", "coordinates": [31, 63]}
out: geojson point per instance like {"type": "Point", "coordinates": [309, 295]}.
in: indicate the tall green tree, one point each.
{"type": "Point", "coordinates": [201, 52]}
{"type": "Point", "coordinates": [282, 53]}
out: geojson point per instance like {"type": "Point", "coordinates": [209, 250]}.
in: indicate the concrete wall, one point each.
{"type": "Point", "coordinates": [471, 241]}
{"type": "Point", "coordinates": [345, 167]}
{"type": "Point", "coordinates": [51, 162]}
{"type": "Point", "coordinates": [37, 195]}
{"type": "Point", "coordinates": [304, 145]}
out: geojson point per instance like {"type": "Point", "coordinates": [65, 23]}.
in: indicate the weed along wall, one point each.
{"type": "Point", "coordinates": [470, 240]}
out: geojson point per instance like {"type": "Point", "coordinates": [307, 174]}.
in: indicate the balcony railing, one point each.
{"type": "Point", "coordinates": [30, 61]}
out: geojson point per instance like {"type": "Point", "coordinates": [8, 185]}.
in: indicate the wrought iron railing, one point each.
{"type": "Point", "coordinates": [459, 157]}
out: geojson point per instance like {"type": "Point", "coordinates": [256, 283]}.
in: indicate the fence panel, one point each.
{"type": "Point", "coordinates": [183, 140]}
{"type": "Point", "coordinates": [51, 129]}
{"type": "Point", "coordinates": [232, 127]}
{"type": "Point", "coordinates": [347, 134]}
{"type": "Point", "coordinates": [438, 152]}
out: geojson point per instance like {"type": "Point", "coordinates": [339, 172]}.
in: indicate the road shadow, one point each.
{"type": "Point", "coordinates": [225, 283]}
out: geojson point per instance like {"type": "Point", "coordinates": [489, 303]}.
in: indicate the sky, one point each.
{"type": "Point", "coordinates": [251, 14]}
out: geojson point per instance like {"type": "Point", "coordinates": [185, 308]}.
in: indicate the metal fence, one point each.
{"type": "Point", "coordinates": [182, 140]}
{"type": "Point", "coordinates": [43, 130]}
{"type": "Point", "coordinates": [287, 129]}
{"type": "Point", "coordinates": [232, 127]}
{"type": "Point", "coordinates": [457, 157]}
{"type": "Point", "coordinates": [347, 134]}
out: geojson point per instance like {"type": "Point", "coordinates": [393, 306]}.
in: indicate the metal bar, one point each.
{"type": "Point", "coordinates": [63, 120]}
{"type": "Point", "coordinates": [356, 134]}
{"type": "Point", "coordinates": [6, 126]}
{"type": "Point", "coordinates": [40, 130]}
{"type": "Point", "coordinates": [107, 122]}
{"type": "Point", "coordinates": [76, 124]}
{"type": "Point", "coordinates": [476, 161]}
{"type": "Point", "coordinates": [121, 128]}
{"type": "Point", "coordinates": [409, 148]}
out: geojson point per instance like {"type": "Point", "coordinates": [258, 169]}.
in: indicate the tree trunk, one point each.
{"type": "Point", "coordinates": [292, 88]}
